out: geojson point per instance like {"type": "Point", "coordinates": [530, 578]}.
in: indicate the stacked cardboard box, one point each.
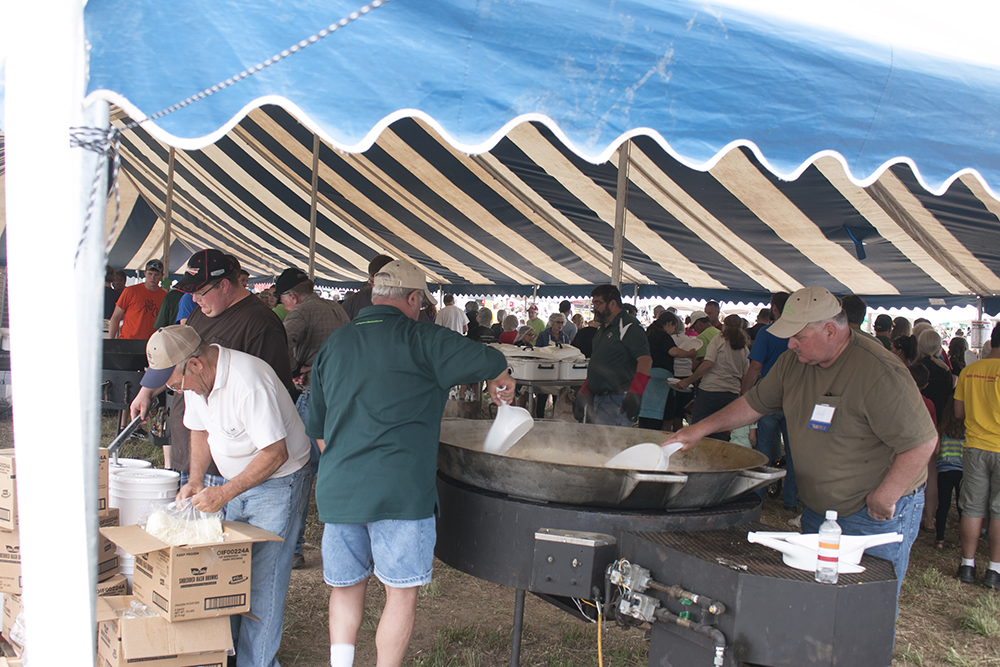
{"type": "Point", "coordinates": [123, 639]}
{"type": "Point", "coordinates": [10, 542]}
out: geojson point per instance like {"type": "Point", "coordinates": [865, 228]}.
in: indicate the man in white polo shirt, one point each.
{"type": "Point", "coordinates": [242, 418]}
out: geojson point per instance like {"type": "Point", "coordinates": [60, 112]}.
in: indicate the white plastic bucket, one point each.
{"type": "Point", "coordinates": [129, 463]}
{"type": "Point", "coordinates": [127, 563]}
{"type": "Point", "coordinates": [132, 490]}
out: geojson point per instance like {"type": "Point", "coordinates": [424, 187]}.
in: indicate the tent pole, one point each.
{"type": "Point", "coordinates": [979, 307]}
{"type": "Point", "coordinates": [168, 217]}
{"type": "Point", "coordinates": [621, 206]}
{"type": "Point", "coordinates": [313, 201]}
{"type": "Point", "coordinates": [44, 93]}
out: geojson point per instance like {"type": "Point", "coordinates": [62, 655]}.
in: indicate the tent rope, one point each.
{"type": "Point", "coordinates": [106, 143]}
{"type": "Point", "coordinates": [292, 50]}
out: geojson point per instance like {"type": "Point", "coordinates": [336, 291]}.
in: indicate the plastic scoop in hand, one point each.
{"type": "Point", "coordinates": [645, 456]}
{"type": "Point", "coordinates": [509, 426]}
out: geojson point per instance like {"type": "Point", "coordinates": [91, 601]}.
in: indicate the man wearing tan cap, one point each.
{"type": "Point", "coordinates": [859, 432]}
{"type": "Point", "coordinates": [242, 419]}
{"type": "Point", "coordinates": [379, 386]}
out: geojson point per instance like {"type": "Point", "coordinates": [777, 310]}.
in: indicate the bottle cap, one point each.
{"type": "Point", "coordinates": [831, 515]}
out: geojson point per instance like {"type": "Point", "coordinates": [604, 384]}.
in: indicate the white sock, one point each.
{"type": "Point", "coordinates": [342, 655]}
{"type": "Point", "coordinates": [969, 561]}
{"type": "Point", "coordinates": [994, 566]}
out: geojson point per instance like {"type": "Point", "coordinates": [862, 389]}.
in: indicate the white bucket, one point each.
{"type": "Point", "coordinates": [132, 490]}
{"type": "Point", "coordinates": [127, 563]}
{"type": "Point", "coordinates": [129, 463]}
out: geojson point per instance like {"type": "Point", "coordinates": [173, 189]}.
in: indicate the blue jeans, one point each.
{"type": "Point", "coordinates": [707, 403]}
{"type": "Point", "coordinates": [607, 411]}
{"type": "Point", "coordinates": [302, 407]}
{"type": "Point", "coordinates": [274, 505]}
{"type": "Point", "coordinates": [769, 443]}
{"type": "Point", "coordinates": [909, 510]}
{"type": "Point", "coordinates": [210, 480]}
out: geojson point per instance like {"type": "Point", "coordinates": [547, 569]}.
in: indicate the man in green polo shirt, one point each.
{"type": "Point", "coordinates": [379, 386]}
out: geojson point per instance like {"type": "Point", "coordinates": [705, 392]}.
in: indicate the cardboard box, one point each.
{"type": "Point", "coordinates": [116, 585]}
{"type": "Point", "coordinates": [102, 480]}
{"type": "Point", "coordinates": [108, 564]}
{"type": "Point", "coordinates": [153, 642]}
{"type": "Point", "coordinates": [10, 562]}
{"type": "Point", "coordinates": [8, 491]}
{"type": "Point", "coordinates": [189, 582]}
{"type": "Point", "coordinates": [11, 608]}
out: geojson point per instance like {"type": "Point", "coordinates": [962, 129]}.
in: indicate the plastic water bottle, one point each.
{"type": "Point", "coordinates": [828, 558]}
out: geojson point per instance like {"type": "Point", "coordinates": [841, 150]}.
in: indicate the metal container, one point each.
{"type": "Point", "coordinates": [564, 463]}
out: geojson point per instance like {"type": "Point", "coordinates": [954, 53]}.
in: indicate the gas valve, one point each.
{"type": "Point", "coordinates": [637, 605]}
{"type": "Point", "coordinates": [629, 576]}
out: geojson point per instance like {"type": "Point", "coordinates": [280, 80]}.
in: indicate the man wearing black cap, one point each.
{"type": "Point", "coordinates": [137, 307]}
{"type": "Point", "coordinates": [363, 297]}
{"type": "Point", "coordinates": [883, 325]}
{"type": "Point", "coordinates": [309, 322]}
{"type": "Point", "coordinates": [226, 316]}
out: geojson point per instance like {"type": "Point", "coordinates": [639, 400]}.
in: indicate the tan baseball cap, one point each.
{"type": "Point", "coordinates": [166, 348]}
{"type": "Point", "coordinates": [809, 304]}
{"type": "Point", "coordinates": [698, 315]}
{"type": "Point", "coordinates": [400, 273]}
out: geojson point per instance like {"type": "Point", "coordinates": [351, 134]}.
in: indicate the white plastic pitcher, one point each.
{"type": "Point", "coordinates": [510, 426]}
{"type": "Point", "coordinates": [132, 490]}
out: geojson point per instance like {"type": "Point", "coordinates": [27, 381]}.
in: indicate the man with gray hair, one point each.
{"type": "Point", "coordinates": [379, 389]}
{"type": "Point", "coordinates": [854, 452]}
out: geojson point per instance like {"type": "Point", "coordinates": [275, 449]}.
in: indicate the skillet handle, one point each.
{"type": "Point", "coordinates": [633, 478]}
{"type": "Point", "coordinates": [754, 478]}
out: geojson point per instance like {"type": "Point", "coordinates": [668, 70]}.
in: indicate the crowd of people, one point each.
{"type": "Point", "coordinates": [273, 393]}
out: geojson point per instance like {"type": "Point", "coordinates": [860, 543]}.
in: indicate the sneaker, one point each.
{"type": "Point", "coordinates": [298, 562]}
{"type": "Point", "coordinates": [796, 522]}
{"type": "Point", "coordinates": [991, 579]}
{"type": "Point", "coordinates": [967, 574]}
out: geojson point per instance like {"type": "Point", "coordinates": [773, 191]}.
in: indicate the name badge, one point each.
{"type": "Point", "coordinates": [821, 417]}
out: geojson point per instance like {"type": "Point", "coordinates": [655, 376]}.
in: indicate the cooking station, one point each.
{"type": "Point", "coordinates": [663, 551]}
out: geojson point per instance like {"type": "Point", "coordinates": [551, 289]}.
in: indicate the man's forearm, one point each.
{"type": "Point", "coordinates": [751, 377]}
{"type": "Point", "coordinates": [906, 468]}
{"type": "Point", "coordinates": [259, 470]}
{"type": "Point", "coordinates": [201, 456]}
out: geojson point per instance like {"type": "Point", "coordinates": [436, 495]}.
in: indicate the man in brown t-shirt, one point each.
{"type": "Point", "coordinates": [230, 316]}
{"type": "Point", "coordinates": [860, 434]}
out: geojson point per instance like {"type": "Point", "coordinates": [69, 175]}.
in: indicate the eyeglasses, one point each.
{"type": "Point", "coordinates": [201, 295]}
{"type": "Point", "coordinates": [183, 373]}
{"type": "Point", "coordinates": [597, 302]}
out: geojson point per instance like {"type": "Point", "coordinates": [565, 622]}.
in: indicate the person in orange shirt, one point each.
{"type": "Point", "coordinates": [137, 307]}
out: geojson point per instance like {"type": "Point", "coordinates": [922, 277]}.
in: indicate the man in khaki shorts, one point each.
{"type": "Point", "coordinates": [977, 401]}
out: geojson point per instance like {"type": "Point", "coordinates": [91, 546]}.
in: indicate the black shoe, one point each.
{"type": "Point", "coordinates": [991, 579]}
{"type": "Point", "coordinates": [967, 574]}
{"type": "Point", "coordinates": [298, 561]}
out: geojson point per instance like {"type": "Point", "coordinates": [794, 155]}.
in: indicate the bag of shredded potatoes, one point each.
{"type": "Point", "coordinates": [180, 523]}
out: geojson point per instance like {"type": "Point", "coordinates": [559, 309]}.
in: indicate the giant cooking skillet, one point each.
{"type": "Point", "coordinates": [564, 463]}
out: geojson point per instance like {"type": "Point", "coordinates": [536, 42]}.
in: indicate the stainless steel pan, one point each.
{"type": "Point", "coordinates": [564, 463]}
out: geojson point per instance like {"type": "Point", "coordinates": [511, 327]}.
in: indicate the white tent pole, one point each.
{"type": "Point", "coordinates": [169, 216]}
{"type": "Point", "coordinates": [314, 200]}
{"type": "Point", "coordinates": [54, 366]}
{"type": "Point", "coordinates": [621, 206]}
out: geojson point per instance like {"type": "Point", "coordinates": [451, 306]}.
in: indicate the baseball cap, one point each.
{"type": "Point", "coordinates": [698, 315]}
{"type": "Point", "coordinates": [155, 265]}
{"type": "Point", "coordinates": [167, 347]}
{"type": "Point", "coordinates": [288, 279]}
{"type": "Point", "coordinates": [400, 273]}
{"type": "Point", "coordinates": [809, 304]}
{"type": "Point", "coordinates": [204, 267]}
{"type": "Point", "coordinates": [883, 323]}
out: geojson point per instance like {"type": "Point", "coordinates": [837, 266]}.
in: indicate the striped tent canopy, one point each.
{"type": "Point", "coordinates": [530, 212]}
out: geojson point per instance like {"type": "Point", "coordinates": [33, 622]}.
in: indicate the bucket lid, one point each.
{"type": "Point", "coordinates": [143, 475]}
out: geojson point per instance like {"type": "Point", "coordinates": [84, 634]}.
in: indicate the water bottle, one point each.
{"type": "Point", "coordinates": [828, 558]}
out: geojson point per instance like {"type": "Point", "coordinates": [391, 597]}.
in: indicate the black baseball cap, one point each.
{"type": "Point", "coordinates": [288, 279]}
{"type": "Point", "coordinates": [204, 267]}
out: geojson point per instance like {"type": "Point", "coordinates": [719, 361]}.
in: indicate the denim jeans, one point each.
{"type": "Point", "coordinates": [302, 407]}
{"type": "Point", "coordinates": [768, 443]}
{"type": "Point", "coordinates": [707, 403]}
{"type": "Point", "coordinates": [210, 480]}
{"type": "Point", "coordinates": [274, 505]}
{"type": "Point", "coordinates": [909, 510]}
{"type": "Point", "coordinates": [607, 411]}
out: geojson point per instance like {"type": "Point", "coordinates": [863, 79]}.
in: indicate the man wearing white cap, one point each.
{"type": "Point", "coordinates": [242, 418]}
{"type": "Point", "coordinates": [379, 386]}
{"type": "Point", "coordinates": [860, 434]}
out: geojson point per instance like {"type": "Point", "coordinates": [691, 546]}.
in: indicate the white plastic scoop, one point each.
{"type": "Point", "coordinates": [644, 456]}
{"type": "Point", "coordinates": [510, 425]}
